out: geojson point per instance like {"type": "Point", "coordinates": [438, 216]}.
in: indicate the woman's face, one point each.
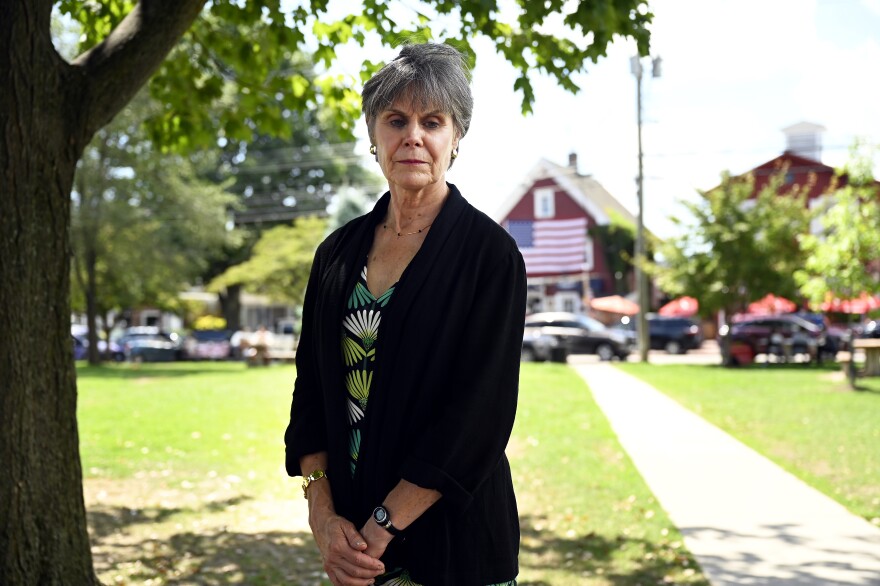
{"type": "Point", "coordinates": [414, 146]}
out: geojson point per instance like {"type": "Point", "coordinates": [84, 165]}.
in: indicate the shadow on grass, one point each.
{"type": "Point", "coordinates": [591, 555]}
{"type": "Point", "coordinates": [106, 520]}
{"type": "Point", "coordinates": [126, 370]}
{"type": "Point", "coordinates": [125, 553]}
{"type": "Point", "coordinates": [127, 548]}
{"type": "Point", "coordinates": [213, 557]}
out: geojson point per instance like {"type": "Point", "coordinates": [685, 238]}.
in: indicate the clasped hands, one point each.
{"type": "Point", "coordinates": [351, 557]}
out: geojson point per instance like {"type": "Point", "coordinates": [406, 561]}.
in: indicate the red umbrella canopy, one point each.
{"type": "Point", "coordinates": [861, 304]}
{"type": "Point", "coordinates": [615, 304]}
{"type": "Point", "coordinates": [770, 304]}
{"type": "Point", "coordinates": [680, 307]}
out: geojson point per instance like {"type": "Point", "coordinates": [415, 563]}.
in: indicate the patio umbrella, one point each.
{"type": "Point", "coordinates": [615, 304]}
{"type": "Point", "coordinates": [858, 305]}
{"type": "Point", "coordinates": [772, 304]}
{"type": "Point", "coordinates": [680, 307]}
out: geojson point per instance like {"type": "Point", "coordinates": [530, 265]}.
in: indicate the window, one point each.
{"type": "Point", "coordinates": [545, 203]}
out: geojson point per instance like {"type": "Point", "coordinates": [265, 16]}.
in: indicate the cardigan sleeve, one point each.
{"type": "Point", "coordinates": [465, 442]}
{"type": "Point", "coordinates": [306, 432]}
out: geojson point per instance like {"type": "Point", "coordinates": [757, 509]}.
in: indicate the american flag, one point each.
{"type": "Point", "coordinates": [553, 247]}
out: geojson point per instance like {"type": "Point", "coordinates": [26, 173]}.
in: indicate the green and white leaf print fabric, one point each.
{"type": "Point", "coordinates": [360, 334]}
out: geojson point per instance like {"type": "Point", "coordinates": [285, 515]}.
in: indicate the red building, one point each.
{"type": "Point", "coordinates": [551, 216]}
{"type": "Point", "coordinates": [801, 162]}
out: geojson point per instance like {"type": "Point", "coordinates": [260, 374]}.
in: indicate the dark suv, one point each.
{"type": "Point", "coordinates": [782, 337]}
{"type": "Point", "coordinates": [676, 335]}
{"type": "Point", "coordinates": [553, 335]}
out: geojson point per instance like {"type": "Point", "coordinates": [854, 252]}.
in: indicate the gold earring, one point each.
{"type": "Point", "coordinates": [372, 149]}
{"type": "Point", "coordinates": [455, 153]}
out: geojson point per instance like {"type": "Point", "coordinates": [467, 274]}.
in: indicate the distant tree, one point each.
{"type": "Point", "coordinates": [843, 260]}
{"type": "Point", "coordinates": [51, 107]}
{"type": "Point", "coordinates": [734, 249]}
{"type": "Point", "coordinates": [280, 263]}
{"type": "Point", "coordinates": [143, 226]}
{"type": "Point", "coordinates": [277, 180]}
{"type": "Point", "coordinates": [349, 203]}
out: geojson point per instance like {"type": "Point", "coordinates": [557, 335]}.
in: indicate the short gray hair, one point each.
{"type": "Point", "coordinates": [431, 75]}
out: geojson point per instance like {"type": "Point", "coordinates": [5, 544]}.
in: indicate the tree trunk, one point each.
{"type": "Point", "coordinates": [230, 306]}
{"type": "Point", "coordinates": [92, 305]}
{"type": "Point", "coordinates": [43, 535]}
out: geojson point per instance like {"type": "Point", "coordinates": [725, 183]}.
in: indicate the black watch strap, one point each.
{"type": "Point", "coordinates": [382, 517]}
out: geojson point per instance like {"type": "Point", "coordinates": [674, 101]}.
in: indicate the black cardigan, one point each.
{"type": "Point", "coordinates": [444, 394]}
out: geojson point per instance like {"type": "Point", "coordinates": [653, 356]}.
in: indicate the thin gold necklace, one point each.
{"type": "Point", "coordinates": [402, 234]}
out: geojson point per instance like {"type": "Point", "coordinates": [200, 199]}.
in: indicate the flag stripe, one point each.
{"type": "Point", "coordinates": [551, 246]}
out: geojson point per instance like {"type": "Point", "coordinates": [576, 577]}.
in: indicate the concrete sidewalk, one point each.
{"type": "Point", "coordinates": [745, 519]}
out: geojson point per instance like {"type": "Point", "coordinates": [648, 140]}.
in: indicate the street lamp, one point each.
{"type": "Point", "coordinates": [641, 278]}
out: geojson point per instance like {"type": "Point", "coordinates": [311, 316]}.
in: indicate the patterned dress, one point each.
{"type": "Point", "coordinates": [360, 342]}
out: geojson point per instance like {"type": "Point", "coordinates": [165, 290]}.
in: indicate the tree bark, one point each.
{"type": "Point", "coordinates": [230, 306]}
{"type": "Point", "coordinates": [43, 536]}
{"type": "Point", "coordinates": [49, 110]}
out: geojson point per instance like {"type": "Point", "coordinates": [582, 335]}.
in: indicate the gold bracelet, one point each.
{"type": "Point", "coordinates": [308, 480]}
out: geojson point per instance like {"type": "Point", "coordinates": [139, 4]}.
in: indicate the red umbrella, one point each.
{"type": "Point", "coordinates": [861, 304]}
{"type": "Point", "coordinates": [771, 304]}
{"type": "Point", "coordinates": [615, 304]}
{"type": "Point", "coordinates": [680, 307]}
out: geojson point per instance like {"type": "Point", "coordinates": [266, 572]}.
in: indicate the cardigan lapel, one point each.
{"type": "Point", "coordinates": [337, 280]}
{"type": "Point", "coordinates": [426, 259]}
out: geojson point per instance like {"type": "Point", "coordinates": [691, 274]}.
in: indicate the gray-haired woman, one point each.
{"type": "Point", "coordinates": [408, 363]}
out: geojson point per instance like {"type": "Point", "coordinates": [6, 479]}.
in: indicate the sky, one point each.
{"type": "Point", "coordinates": [734, 74]}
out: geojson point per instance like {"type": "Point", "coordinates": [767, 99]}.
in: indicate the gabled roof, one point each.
{"type": "Point", "coordinates": [583, 189]}
{"type": "Point", "coordinates": [796, 164]}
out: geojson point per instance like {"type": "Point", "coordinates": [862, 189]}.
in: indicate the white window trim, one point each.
{"type": "Point", "coordinates": [545, 203]}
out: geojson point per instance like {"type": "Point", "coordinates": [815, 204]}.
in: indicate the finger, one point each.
{"type": "Point", "coordinates": [373, 564]}
{"type": "Point", "coordinates": [347, 575]}
{"type": "Point", "coordinates": [359, 565]}
{"type": "Point", "coordinates": [355, 539]}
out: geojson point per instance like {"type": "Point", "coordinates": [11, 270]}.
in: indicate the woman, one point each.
{"type": "Point", "coordinates": [408, 364]}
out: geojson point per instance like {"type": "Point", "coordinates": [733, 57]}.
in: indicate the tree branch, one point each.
{"type": "Point", "coordinates": [115, 69]}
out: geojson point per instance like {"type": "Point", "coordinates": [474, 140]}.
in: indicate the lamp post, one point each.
{"type": "Point", "coordinates": [641, 278]}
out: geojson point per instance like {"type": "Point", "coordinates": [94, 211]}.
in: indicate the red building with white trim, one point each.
{"type": "Point", "coordinates": [551, 215]}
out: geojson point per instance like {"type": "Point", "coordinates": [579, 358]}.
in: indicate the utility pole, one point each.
{"type": "Point", "coordinates": [640, 276]}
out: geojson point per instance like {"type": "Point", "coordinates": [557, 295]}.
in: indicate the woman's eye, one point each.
{"type": "Point", "coordinates": [432, 124]}
{"type": "Point", "coordinates": [398, 123]}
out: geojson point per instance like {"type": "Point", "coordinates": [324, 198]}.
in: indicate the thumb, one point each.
{"type": "Point", "coordinates": [355, 539]}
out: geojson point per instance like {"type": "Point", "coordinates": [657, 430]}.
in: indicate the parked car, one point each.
{"type": "Point", "coordinates": [208, 345]}
{"type": "Point", "coordinates": [151, 348]}
{"type": "Point", "coordinates": [871, 329]}
{"type": "Point", "coordinates": [836, 337]}
{"type": "Point", "coordinates": [151, 332]}
{"type": "Point", "coordinates": [111, 350]}
{"type": "Point", "coordinates": [576, 334]}
{"type": "Point", "coordinates": [676, 335]}
{"type": "Point", "coordinates": [80, 351]}
{"type": "Point", "coordinates": [782, 337]}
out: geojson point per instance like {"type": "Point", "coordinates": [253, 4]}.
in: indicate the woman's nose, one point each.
{"type": "Point", "coordinates": [413, 135]}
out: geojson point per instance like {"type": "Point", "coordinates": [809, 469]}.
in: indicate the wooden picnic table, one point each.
{"type": "Point", "coordinates": [871, 346]}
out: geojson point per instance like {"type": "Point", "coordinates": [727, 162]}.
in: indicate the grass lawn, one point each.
{"type": "Point", "coordinates": [806, 419]}
{"type": "Point", "coordinates": [185, 484]}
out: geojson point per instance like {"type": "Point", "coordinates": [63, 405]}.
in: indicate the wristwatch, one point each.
{"type": "Point", "coordinates": [308, 480]}
{"type": "Point", "coordinates": [383, 518]}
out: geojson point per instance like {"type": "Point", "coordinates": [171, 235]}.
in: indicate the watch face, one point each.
{"type": "Point", "coordinates": [381, 515]}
